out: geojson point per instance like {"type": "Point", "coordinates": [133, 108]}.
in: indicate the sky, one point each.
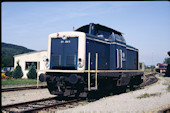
{"type": "Point", "coordinates": [145, 24]}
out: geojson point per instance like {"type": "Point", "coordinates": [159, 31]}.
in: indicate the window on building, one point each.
{"type": "Point", "coordinates": [28, 64]}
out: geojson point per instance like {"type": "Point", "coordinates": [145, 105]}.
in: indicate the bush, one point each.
{"type": "Point", "coordinates": [17, 73]}
{"type": "Point", "coordinates": [8, 73]}
{"type": "Point", "coordinates": [32, 74]}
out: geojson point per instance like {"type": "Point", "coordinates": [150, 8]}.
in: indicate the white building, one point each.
{"type": "Point", "coordinates": [26, 59]}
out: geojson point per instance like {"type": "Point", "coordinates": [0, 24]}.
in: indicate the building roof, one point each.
{"type": "Point", "coordinates": [29, 53]}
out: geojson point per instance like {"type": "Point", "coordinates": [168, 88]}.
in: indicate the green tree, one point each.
{"type": "Point", "coordinates": [32, 74]}
{"type": "Point", "coordinates": [167, 60]}
{"type": "Point", "coordinates": [17, 73]}
{"type": "Point", "coordinates": [7, 61]}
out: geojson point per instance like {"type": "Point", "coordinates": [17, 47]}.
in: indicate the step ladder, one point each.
{"type": "Point", "coordinates": [96, 67]}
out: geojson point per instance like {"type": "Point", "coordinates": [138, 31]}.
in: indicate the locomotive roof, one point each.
{"type": "Point", "coordinates": [85, 29]}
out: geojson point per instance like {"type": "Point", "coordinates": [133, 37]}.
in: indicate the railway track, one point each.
{"type": "Point", "coordinates": [37, 105]}
{"type": "Point", "coordinates": [43, 104]}
{"type": "Point", "coordinates": [149, 79]}
{"type": "Point", "coordinates": [22, 88]}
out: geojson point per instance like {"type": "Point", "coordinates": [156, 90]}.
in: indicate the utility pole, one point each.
{"type": "Point", "coordinates": [152, 63]}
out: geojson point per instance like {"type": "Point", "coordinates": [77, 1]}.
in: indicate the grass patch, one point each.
{"type": "Point", "coordinates": [149, 70]}
{"type": "Point", "coordinates": [128, 90]}
{"type": "Point", "coordinates": [167, 82]}
{"type": "Point", "coordinates": [161, 75]}
{"type": "Point", "coordinates": [5, 82]}
{"type": "Point", "coordinates": [146, 95]}
{"type": "Point", "coordinates": [131, 90]}
{"type": "Point", "coordinates": [168, 89]}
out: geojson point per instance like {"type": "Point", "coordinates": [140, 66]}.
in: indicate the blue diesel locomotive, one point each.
{"type": "Point", "coordinates": [92, 58]}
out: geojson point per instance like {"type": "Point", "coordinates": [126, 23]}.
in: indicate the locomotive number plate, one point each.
{"type": "Point", "coordinates": [65, 41]}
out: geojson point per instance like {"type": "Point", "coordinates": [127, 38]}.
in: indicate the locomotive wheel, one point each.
{"type": "Point", "coordinates": [89, 95]}
{"type": "Point", "coordinates": [120, 89]}
{"type": "Point", "coordinates": [123, 89]}
{"type": "Point", "coordinates": [132, 88]}
{"type": "Point", "coordinates": [135, 82]}
{"type": "Point", "coordinates": [50, 85]}
{"type": "Point", "coordinates": [92, 94]}
{"type": "Point", "coordinates": [60, 97]}
{"type": "Point", "coordinates": [77, 94]}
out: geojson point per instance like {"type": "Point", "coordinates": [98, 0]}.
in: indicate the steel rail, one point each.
{"type": "Point", "coordinates": [22, 88]}
{"type": "Point", "coordinates": [34, 109]}
{"type": "Point", "coordinates": [29, 102]}
{"type": "Point", "coordinates": [48, 106]}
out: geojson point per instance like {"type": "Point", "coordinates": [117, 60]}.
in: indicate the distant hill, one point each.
{"type": "Point", "coordinates": [8, 51]}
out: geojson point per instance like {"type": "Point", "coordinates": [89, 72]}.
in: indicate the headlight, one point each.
{"type": "Point", "coordinates": [80, 63]}
{"type": "Point", "coordinates": [47, 63]}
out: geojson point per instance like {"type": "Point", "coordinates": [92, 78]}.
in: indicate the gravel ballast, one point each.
{"type": "Point", "coordinates": [130, 102]}
{"type": "Point", "coordinates": [24, 96]}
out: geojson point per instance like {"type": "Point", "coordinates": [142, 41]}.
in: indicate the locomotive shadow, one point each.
{"type": "Point", "coordinates": [96, 95]}
{"type": "Point", "coordinates": [93, 96]}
